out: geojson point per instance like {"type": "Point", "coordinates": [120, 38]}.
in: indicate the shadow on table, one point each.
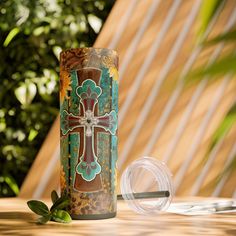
{"type": "Point", "coordinates": [24, 224]}
{"type": "Point", "coordinates": [16, 215]}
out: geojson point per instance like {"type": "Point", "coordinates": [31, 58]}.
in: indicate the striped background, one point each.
{"type": "Point", "coordinates": [158, 116]}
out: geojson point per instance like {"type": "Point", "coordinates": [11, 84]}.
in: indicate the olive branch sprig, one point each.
{"type": "Point", "coordinates": [57, 211]}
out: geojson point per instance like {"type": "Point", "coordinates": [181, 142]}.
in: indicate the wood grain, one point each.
{"type": "Point", "coordinates": [17, 219]}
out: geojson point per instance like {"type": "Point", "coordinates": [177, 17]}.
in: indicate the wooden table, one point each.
{"type": "Point", "coordinates": [17, 219]}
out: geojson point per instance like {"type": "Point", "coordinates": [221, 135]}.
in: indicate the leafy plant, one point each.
{"type": "Point", "coordinates": [207, 12]}
{"type": "Point", "coordinates": [57, 211]}
{"type": "Point", "coordinates": [224, 65]}
{"type": "Point", "coordinates": [32, 33]}
{"type": "Point", "coordinates": [224, 127]}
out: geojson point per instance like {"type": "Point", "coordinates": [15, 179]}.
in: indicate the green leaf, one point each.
{"type": "Point", "coordinates": [44, 219]}
{"type": "Point", "coordinates": [11, 183]}
{"type": "Point", "coordinates": [228, 36]}
{"type": "Point", "coordinates": [61, 216]}
{"type": "Point", "coordinates": [26, 57]}
{"type": "Point", "coordinates": [223, 66]}
{"type": "Point", "coordinates": [10, 36]}
{"type": "Point", "coordinates": [224, 127]}
{"type": "Point", "coordinates": [222, 130]}
{"type": "Point", "coordinates": [207, 11]}
{"type": "Point", "coordinates": [95, 22]}
{"type": "Point", "coordinates": [56, 51]}
{"type": "Point", "coordinates": [39, 30]}
{"type": "Point", "coordinates": [54, 196]}
{"type": "Point", "coordinates": [60, 203]}
{"type": "Point", "coordinates": [33, 133]}
{"type": "Point", "coordinates": [38, 207]}
{"type": "Point", "coordinates": [26, 93]}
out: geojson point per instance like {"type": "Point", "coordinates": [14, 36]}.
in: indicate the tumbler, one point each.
{"type": "Point", "coordinates": [88, 131]}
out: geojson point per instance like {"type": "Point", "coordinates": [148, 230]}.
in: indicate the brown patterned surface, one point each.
{"type": "Point", "coordinates": [17, 219]}
{"type": "Point", "coordinates": [78, 58]}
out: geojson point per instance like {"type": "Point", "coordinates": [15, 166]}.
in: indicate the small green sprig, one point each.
{"type": "Point", "coordinates": [57, 211]}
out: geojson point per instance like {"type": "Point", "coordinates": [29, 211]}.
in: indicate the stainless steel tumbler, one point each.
{"type": "Point", "coordinates": [88, 131]}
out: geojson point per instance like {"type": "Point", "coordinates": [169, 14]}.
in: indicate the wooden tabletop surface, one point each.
{"type": "Point", "coordinates": [17, 219]}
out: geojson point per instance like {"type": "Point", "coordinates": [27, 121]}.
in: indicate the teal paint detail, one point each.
{"type": "Point", "coordinates": [114, 123]}
{"type": "Point", "coordinates": [115, 92]}
{"type": "Point", "coordinates": [90, 88]}
{"type": "Point", "coordinates": [64, 105]}
{"type": "Point", "coordinates": [88, 171]}
{"type": "Point", "coordinates": [75, 100]}
{"type": "Point", "coordinates": [114, 138]}
{"type": "Point", "coordinates": [107, 144]}
{"type": "Point", "coordinates": [74, 153]}
{"type": "Point", "coordinates": [114, 157]}
{"type": "Point", "coordinates": [64, 122]}
{"type": "Point", "coordinates": [104, 101]}
{"type": "Point", "coordinates": [103, 153]}
{"type": "Point", "coordinates": [103, 139]}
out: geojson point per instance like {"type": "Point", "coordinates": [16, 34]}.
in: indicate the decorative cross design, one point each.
{"type": "Point", "coordinates": [88, 166]}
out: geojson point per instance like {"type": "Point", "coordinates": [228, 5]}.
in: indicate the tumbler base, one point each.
{"type": "Point", "coordinates": [93, 217]}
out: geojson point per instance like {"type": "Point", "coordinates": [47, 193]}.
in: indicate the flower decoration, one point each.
{"type": "Point", "coordinates": [113, 73]}
{"type": "Point", "coordinates": [107, 61]}
{"type": "Point", "coordinates": [64, 85]}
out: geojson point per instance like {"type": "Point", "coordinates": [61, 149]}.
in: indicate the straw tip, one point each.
{"type": "Point", "coordinates": [167, 193]}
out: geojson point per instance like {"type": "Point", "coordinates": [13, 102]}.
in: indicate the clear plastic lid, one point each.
{"type": "Point", "coordinates": [146, 186]}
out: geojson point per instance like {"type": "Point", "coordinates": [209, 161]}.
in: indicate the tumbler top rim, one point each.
{"type": "Point", "coordinates": [89, 48]}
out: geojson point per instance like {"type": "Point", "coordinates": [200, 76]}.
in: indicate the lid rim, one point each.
{"type": "Point", "coordinates": [162, 177]}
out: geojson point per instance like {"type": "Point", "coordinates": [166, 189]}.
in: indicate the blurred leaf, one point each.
{"type": "Point", "coordinates": [207, 11]}
{"type": "Point", "coordinates": [230, 168]}
{"type": "Point", "coordinates": [32, 33]}
{"type": "Point", "coordinates": [54, 196]}
{"type": "Point", "coordinates": [44, 219]}
{"type": "Point", "coordinates": [38, 207]}
{"type": "Point", "coordinates": [226, 37]}
{"type": "Point", "coordinates": [61, 216]}
{"type": "Point", "coordinates": [224, 127]}
{"type": "Point", "coordinates": [12, 183]}
{"type": "Point", "coordinates": [26, 93]}
{"type": "Point", "coordinates": [39, 30]}
{"type": "Point", "coordinates": [60, 203]}
{"type": "Point", "coordinates": [223, 66]}
{"type": "Point", "coordinates": [56, 51]}
{"type": "Point", "coordinates": [33, 133]}
{"type": "Point", "coordinates": [95, 22]}
{"type": "Point", "coordinates": [10, 36]}
{"type": "Point", "coordinates": [220, 132]}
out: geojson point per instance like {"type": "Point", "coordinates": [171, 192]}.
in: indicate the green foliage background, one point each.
{"type": "Point", "coordinates": [32, 34]}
